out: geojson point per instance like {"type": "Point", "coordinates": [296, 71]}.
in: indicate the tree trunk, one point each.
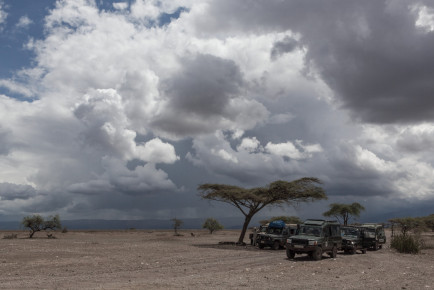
{"type": "Point", "coordinates": [346, 216]}
{"type": "Point", "coordinates": [243, 231]}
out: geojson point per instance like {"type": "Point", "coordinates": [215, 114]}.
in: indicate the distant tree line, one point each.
{"type": "Point", "coordinates": [412, 224]}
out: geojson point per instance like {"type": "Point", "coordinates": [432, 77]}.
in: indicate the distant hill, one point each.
{"type": "Point", "coordinates": [90, 224]}
{"type": "Point", "coordinates": [196, 223]}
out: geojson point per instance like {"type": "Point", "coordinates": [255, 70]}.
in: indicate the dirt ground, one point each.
{"type": "Point", "coordinates": [143, 259]}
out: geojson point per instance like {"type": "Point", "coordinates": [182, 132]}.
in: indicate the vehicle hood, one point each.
{"type": "Point", "coordinates": [305, 237]}
{"type": "Point", "coordinates": [350, 238]}
{"type": "Point", "coordinates": [270, 235]}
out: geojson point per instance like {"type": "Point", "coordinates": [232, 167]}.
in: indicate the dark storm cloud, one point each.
{"type": "Point", "coordinates": [411, 142]}
{"type": "Point", "coordinates": [287, 45]}
{"type": "Point", "coordinates": [237, 92]}
{"type": "Point", "coordinates": [205, 85]}
{"type": "Point", "coordinates": [200, 92]}
{"type": "Point", "coordinates": [371, 53]}
{"type": "Point", "coordinates": [10, 191]}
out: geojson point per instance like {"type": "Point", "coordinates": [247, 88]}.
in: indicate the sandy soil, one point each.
{"type": "Point", "coordinates": [159, 260]}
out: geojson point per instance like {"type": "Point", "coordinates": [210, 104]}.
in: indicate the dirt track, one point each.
{"type": "Point", "coordinates": [158, 259]}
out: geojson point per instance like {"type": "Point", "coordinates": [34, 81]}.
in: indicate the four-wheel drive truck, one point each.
{"type": "Point", "coordinates": [352, 239]}
{"type": "Point", "coordinates": [373, 236]}
{"type": "Point", "coordinates": [275, 235]}
{"type": "Point", "coordinates": [315, 237]}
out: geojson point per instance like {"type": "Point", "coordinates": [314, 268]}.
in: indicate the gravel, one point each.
{"type": "Point", "coordinates": [141, 259]}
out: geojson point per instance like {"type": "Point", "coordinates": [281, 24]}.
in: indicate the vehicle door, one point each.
{"type": "Point", "coordinates": [328, 241]}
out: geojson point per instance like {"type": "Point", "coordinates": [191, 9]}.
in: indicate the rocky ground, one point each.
{"type": "Point", "coordinates": [137, 259]}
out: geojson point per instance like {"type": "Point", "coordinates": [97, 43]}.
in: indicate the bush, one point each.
{"type": "Point", "coordinates": [10, 237]}
{"type": "Point", "coordinates": [177, 223]}
{"type": "Point", "coordinates": [51, 236]}
{"type": "Point", "coordinates": [212, 225]}
{"type": "Point", "coordinates": [407, 244]}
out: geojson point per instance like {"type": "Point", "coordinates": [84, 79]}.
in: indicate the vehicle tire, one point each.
{"type": "Point", "coordinates": [334, 252]}
{"type": "Point", "coordinates": [353, 251]}
{"type": "Point", "coordinates": [376, 247]}
{"type": "Point", "coordinates": [276, 245]}
{"type": "Point", "coordinates": [363, 251]}
{"type": "Point", "coordinates": [290, 254]}
{"type": "Point", "coordinates": [317, 254]}
{"type": "Point", "coordinates": [261, 246]}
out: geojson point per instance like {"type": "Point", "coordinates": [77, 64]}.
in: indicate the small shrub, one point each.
{"type": "Point", "coordinates": [407, 244]}
{"type": "Point", "coordinates": [51, 236]}
{"type": "Point", "coordinates": [64, 230]}
{"type": "Point", "coordinates": [177, 223]}
{"type": "Point", "coordinates": [10, 237]}
{"type": "Point", "coordinates": [212, 225]}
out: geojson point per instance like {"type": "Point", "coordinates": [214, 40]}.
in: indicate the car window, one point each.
{"type": "Point", "coordinates": [335, 230]}
{"type": "Point", "coordinates": [310, 231]}
{"type": "Point", "coordinates": [327, 231]}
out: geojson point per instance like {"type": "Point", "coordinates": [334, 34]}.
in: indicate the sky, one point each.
{"type": "Point", "coordinates": [119, 110]}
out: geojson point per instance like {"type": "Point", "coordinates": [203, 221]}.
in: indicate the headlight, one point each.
{"type": "Point", "coordinates": [289, 241]}
{"type": "Point", "coordinates": [352, 243]}
{"type": "Point", "coordinates": [313, 243]}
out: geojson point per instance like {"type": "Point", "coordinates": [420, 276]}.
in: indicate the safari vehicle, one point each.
{"type": "Point", "coordinates": [352, 240]}
{"type": "Point", "coordinates": [374, 236]}
{"type": "Point", "coordinates": [275, 235]}
{"type": "Point", "coordinates": [315, 237]}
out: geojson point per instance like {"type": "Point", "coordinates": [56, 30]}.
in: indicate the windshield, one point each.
{"type": "Point", "coordinates": [310, 231]}
{"type": "Point", "coordinates": [370, 233]}
{"type": "Point", "coordinates": [275, 231]}
{"type": "Point", "coordinates": [350, 232]}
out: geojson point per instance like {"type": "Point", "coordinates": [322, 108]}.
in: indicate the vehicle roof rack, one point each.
{"type": "Point", "coordinates": [318, 221]}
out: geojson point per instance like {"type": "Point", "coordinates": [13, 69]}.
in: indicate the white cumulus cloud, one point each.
{"type": "Point", "coordinates": [24, 22]}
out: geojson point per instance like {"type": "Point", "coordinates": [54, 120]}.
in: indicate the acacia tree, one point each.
{"type": "Point", "coordinates": [251, 201]}
{"type": "Point", "coordinates": [212, 225]}
{"type": "Point", "coordinates": [36, 223]}
{"type": "Point", "coordinates": [343, 211]}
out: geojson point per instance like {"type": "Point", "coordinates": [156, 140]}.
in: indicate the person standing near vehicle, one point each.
{"type": "Point", "coordinates": [255, 235]}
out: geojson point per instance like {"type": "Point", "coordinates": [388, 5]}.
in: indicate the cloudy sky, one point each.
{"type": "Point", "coordinates": [119, 110]}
